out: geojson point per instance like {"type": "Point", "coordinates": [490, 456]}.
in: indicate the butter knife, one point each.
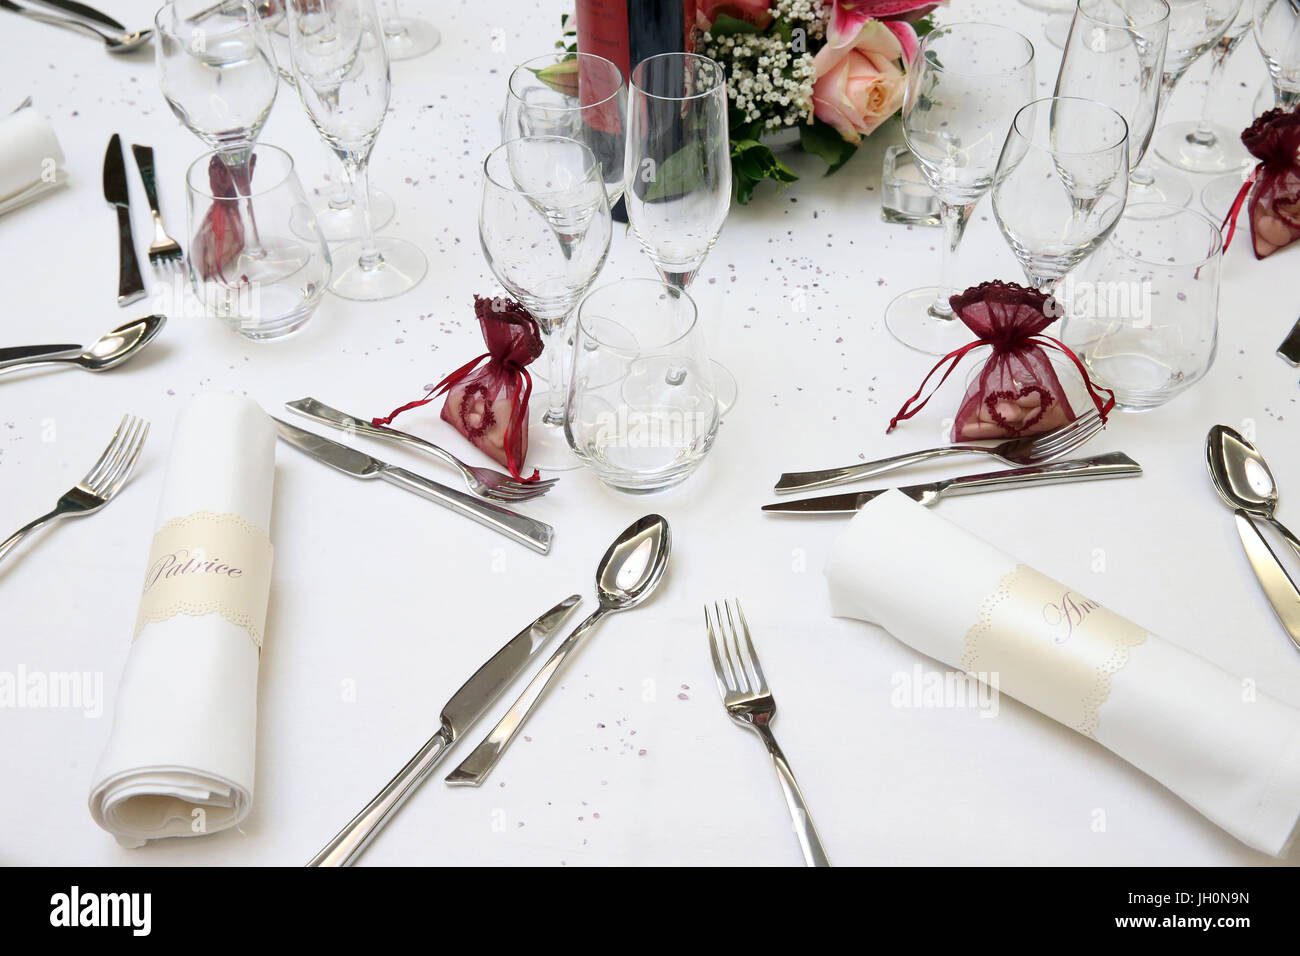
{"type": "Point", "coordinates": [465, 707]}
{"type": "Point", "coordinates": [130, 284]}
{"type": "Point", "coordinates": [1115, 465]}
{"type": "Point", "coordinates": [1290, 347]}
{"type": "Point", "coordinates": [1277, 585]}
{"type": "Point", "coordinates": [527, 531]}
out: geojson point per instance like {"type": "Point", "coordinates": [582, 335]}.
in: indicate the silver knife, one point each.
{"type": "Point", "coordinates": [527, 531]}
{"type": "Point", "coordinates": [130, 285]}
{"type": "Point", "coordinates": [1290, 347]}
{"type": "Point", "coordinates": [458, 715]}
{"type": "Point", "coordinates": [1115, 465]}
{"type": "Point", "coordinates": [83, 11]}
{"type": "Point", "coordinates": [1278, 587]}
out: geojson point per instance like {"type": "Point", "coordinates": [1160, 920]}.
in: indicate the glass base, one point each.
{"type": "Point", "coordinates": [400, 268]}
{"type": "Point", "coordinates": [406, 38]}
{"type": "Point", "coordinates": [1057, 29]}
{"type": "Point", "coordinates": [1159, 185]}
{"type": "Point", "coordinates": [910, 321]}
{"type": "Point", "coordinates": [548, 449]}
{"type": "Point", "coordinates": [342, 222]}
{"type": "Point", "coordinates": [1220, 192]}
{"type": "Point", "coordinates": [1177, 144]}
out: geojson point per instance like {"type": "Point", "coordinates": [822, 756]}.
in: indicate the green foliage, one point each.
{"type": "Point", "coordinates": [821, 139]}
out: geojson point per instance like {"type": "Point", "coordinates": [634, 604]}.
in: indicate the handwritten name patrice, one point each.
{"type": "Point", "coordinates": [183, 563]}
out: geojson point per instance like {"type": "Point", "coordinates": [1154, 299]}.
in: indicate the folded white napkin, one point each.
{"type": "Point", "coordinates": [31, 162]}
{"type": "Point", "coordinates": [1233, 755]}
{"type": "Point", "coordinates": [179, 759]}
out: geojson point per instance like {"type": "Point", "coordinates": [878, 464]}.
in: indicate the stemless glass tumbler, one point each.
{"type": "Point", "coordinates": [642, 410]}
{"type": "Point", "coordinates": [230, 231]}
{"type": "Point", "coordinates": [1151, 327]}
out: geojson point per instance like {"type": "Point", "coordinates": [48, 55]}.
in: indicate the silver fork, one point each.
{"type": "Point", "coordinates": [164, 251]}
{"type": "Point", "coordinates": [484, 482]}
{"type": "Point", "coordinates": [1033, 450]}
{"type": "Point", "coordinates": [104, 480]}
{"type": "Point", "coordinates": [750, 704]}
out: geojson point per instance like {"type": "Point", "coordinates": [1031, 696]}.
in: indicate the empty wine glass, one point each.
{"type": "Point", "coordinates": [1154, 332]}
{"type": "Point", "coordinates": [963, 90]}
{"type": "Point", "coordinates": [341, 67]}
{"type": "Point", "coordinates": [1061, 184]}
{"type": "Point", "coordinates": [576, 95]}
{"type": "Point", "coordinates": [677, 169]}
{"type": "Point", "coordinates": [407, 37]}
{"type": "Point", "coordinates": [641, 410]}
{"type": "Point", "coordinates": [544, 226]}
{"type": "Point", "coordinates": [1220, 192]}
{"type": "Point", "coordinates": [1203, 146]}
{"type": "Point", "coordinates": [1277, 31]}
{"type": "Point", "coordinates": [1115, 54]}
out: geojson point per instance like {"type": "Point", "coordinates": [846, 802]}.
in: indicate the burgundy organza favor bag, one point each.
{"type": "Point", "coordinates": [1017, 392]}
{"type": "Point", "coordinates": [220, 236]}
{"type": "Point", "coordinates": [488, 403]}
{"type": "Point", "coordinates": [1273, 189]}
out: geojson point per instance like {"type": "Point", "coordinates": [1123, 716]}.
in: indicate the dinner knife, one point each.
{"type": "Point", "coordinates": [527, 531]}
{"type": "Point", "coordinates": [1114, 465]}
{"type": "Point", "coordinates": [83, 11]}
{"type": "Point", "coordinates": [458, 716]}
{"type": "Point", "coordinates": [1290, 347]}
{"type": "Point", "coordinates": [1278, 587]}
{"type": "Point", "coordinates": [130, 285]}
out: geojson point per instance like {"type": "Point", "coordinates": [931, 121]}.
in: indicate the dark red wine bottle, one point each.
{"type": "Point", "coordinates": [627, 31]}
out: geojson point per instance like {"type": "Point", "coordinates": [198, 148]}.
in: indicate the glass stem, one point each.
{"type": "Point", "coordinates": [557, 347]}
{"type": "Point", "coordinates": [1285, 99]}
{"type": "Point", "coordinates": [1203, 135]}
{"type": "Point", "coordinates": [358, 170]}
{"type": "Point", "coordinates": [954, 218]}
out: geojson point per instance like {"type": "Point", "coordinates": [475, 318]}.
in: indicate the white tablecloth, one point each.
{"type": "Point", "coordinates": [383, 604]}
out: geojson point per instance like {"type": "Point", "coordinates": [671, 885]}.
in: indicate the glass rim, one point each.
{"type": "Point", "coordinates": [671, 290]}
{"type": "Point", "coordinates": [561, 58]}
{"type": "Point", "coordinates": [1170, 211]}
{"type": "Point", "coordinates": [1127, 23]}
{"type": "Point", "coordinates": [203, 161]}
{"type": "Point", "coordinates": [1034, 104]}
{"type": "Point", "coordinates": [592, 168]}
{"type": "Point", "coordinates": [699, 57]}
{"type": "Point", "coordinates": [247, 24]}
{"type": "Point", "coordinates": [948, 28]}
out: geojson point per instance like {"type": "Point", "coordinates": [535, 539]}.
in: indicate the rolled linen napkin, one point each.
{"type": "Point", "coordinates": [30, 158]}
{"type": "Point", "coordinates": [1173, 715]}
{"type": "Point", "coordinates": [179, 760]}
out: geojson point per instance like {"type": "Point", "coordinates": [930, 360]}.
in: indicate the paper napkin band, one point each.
{"type": "Point", "coordinates": [207, 563]}
{"type": "Point", "coordinates": [1050, 647]}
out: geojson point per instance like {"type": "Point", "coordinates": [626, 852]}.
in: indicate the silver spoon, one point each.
{"type": "Point", "coordinates": [114, 43]}
{"type": "Point", "coordinates": [628, 573]}
{"type": "Point", "coordinates": [112, 349]}
{"type": "Point", "coordinates": [1242, 477]}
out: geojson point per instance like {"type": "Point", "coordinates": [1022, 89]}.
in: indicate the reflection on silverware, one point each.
{"type": "Point", "coordinates": [1032, 450]}
{"type": "Point", "coordinates": [164, 251]}
{"type": "Point", "coordinates": [1242, 477]}
{"type": "Point", "coordinates": [84, 12]}
{"type": "Point", "coordinates": [745, 694]}
{"type": "Point", "coordinates": [130, 284]}
{"type": "Point", "coordinates": [627, 575]}
{"type": "Point", "coordinates": [1277, 585]}
{"type": "Point", "coordinates": [1290, 347]}
{"type": "Point", "coordinates": [114, 43]}
{"type": "Point", "coordinates": [101, 484]}
{"type": "Point", "coordinates": [482, 481]}
{"type": "Point", "coordinates": [111, 350]}
{"type": "Point", "coordinates": [1115, 465]}
{"type": "Point", "coordinates": [458, 715]}
{"type": "Point", "coordinates": [526, 531]}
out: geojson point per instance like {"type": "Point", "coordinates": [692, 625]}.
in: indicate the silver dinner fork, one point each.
{"type": "Point", "coordinates": [750, 704]}
{"type": "Point", "coordinates": [104, 480]}
{"type": "Point", "coordinates": [1032, 450]}
{"type": "Point", "coordinates": [164, 251]}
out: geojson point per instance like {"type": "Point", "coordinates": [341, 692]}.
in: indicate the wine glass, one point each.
{"type": "Point", "coordinates": [1115, 54]}
{"type": "Point", "coordinates": [1277, 31]}
{"type": "Point", "coordinates": [1061, 184]}
{"type": "Point", "coordinates": [1203, 146]}
{"type": "Point", "coordinates": [962, 93]}
{"type": "Point", "coordinates": [341, 68]}
{"type": "Point", "coordinates": [677, 169]}
{"type": "Point", "coordinates": [1220, 192]}
{"type": "Point", "coordinates": [576, 95]}
{"type": "Point", "coordinates": [407, 37]}
{"type": "Point", "coordinates": [544, 225]}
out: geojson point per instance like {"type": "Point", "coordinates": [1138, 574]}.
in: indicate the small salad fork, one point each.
{"type": "Point", "coordinates": [164, 251]}
{"type": "Point", "coordinates": [750, 704]}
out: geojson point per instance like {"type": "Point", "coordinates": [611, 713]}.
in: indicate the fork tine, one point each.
{"type": "Point", "coordinates": [128, 466]}
{"type": "Point", "coordinates": [1075, 439]}
{"type": "Point", "coordinates": [97, 468]}
{"type": "Point", "coordinates": [1066, 432]}
{"type": "Point", "coordinates": [749, 648]}
{"type": "Point", "coordinates": [122, 450]}
{"type": "Point", "coordinates": [724, 684]}
{"type": "Point", "coordinates": [731, 647]}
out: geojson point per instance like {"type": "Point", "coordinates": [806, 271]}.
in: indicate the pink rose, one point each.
{"type": "Point", "coordinates": [858, 84]}
{"type": "Point", "coordinates": [757, 12]}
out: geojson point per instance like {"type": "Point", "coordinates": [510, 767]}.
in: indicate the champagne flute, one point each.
{"type": "Point", "coordinates": [1277, 31]}
{"type": "Point", "coordinates": [407, 37]}
{"type": "Point", "coordinates": [962, 93]}
{"type": "Point", "coordinates": [544, 226]}
{"type": "Point", "coordinates": [342, 73]}
{"type": "Point", "coordinates": [677, 169]}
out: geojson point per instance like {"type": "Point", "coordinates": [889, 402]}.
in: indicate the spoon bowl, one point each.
{"type": "Point", "coordinates": [634, 564]}
{"type": "Point", "coordinates": [115, 347]}
{"type": "Point", "coordinates": [1242, 477]}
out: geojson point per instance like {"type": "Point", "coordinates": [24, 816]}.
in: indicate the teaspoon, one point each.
{"type": "Point", "coordinates": [1242, 477]}
{"type": "Point", "coordinates": [112, 349]}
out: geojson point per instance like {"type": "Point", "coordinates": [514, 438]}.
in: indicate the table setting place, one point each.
{"type": "Point", "coordinates": [673, 400]}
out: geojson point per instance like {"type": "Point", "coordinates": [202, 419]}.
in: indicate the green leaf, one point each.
{"type": "Point", "coordinates": [729, 26]}
{"type": "Point", "coordinates": [751, 163]}
{"type": "Point", "coordinates": [821, 139]}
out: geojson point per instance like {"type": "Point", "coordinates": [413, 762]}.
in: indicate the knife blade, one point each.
{"type": "Point", "coordinates": [1277, 585]}
{"type": "Point", "coordinates": [130, 284]}
{"type": "Point", "coordinates": [1289, 350]}
{"type": "Point", "coordinates": [526, 531]}
{"type": "Point", "coordinates": [460, 712]}
{"type": "Point", "coordinates": [83, 11]}
{"type": "Point", "coordinates": [1114, 465]}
